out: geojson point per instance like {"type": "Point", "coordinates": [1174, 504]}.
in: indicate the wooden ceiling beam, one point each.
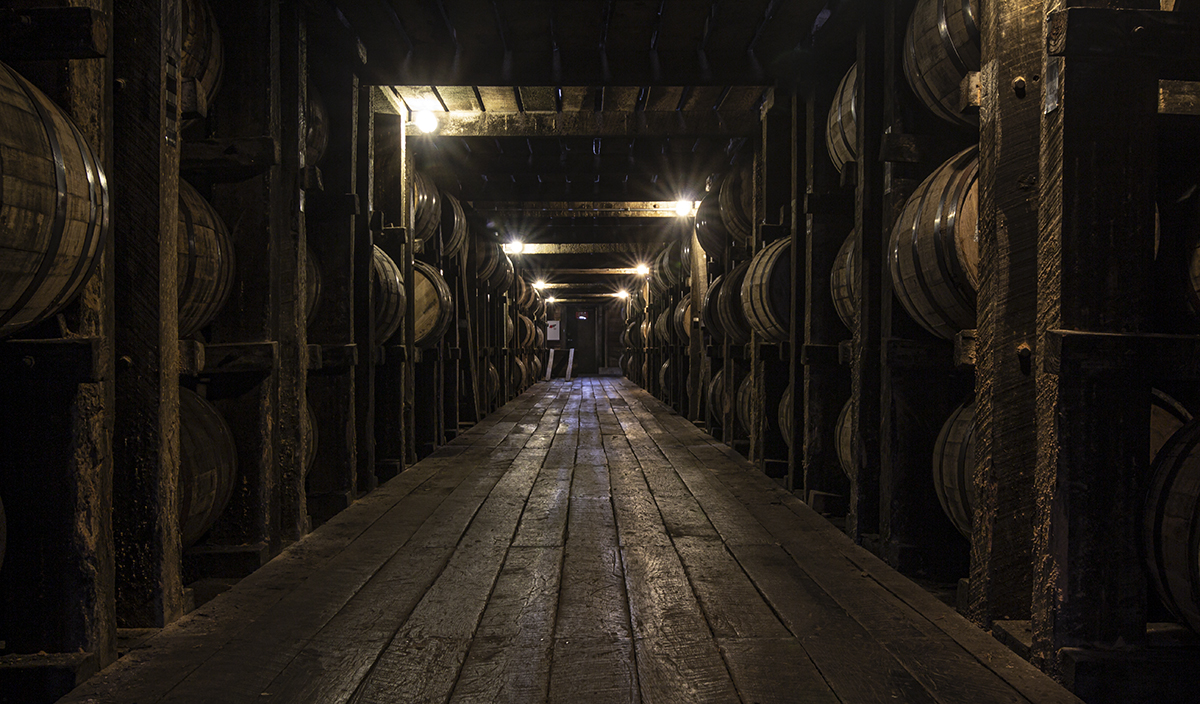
{"type": "Point", "coordinates": [659, 123]}
{"type": "Point", "coordinates": [589, 209]}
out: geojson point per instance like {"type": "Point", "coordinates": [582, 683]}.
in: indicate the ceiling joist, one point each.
{"type": "Point", "coordinates": [665, 123]}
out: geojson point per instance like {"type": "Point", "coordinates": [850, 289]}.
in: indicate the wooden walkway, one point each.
{"type": "Point", "coordinates": [583, 544]}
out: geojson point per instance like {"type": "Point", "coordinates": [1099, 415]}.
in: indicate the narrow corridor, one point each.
{"type": "Point", "coordinates": [582, 544]}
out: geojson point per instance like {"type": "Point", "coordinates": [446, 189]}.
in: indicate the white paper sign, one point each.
{"type": "Point", "coordinates": [552, 329]}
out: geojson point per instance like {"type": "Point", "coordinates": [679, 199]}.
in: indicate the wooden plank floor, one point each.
{"type": "Point", "coordinates": [582, 544]}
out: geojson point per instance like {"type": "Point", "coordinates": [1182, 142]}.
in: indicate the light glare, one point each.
{"type": "Point", "coordinates": [514, 247]}
{"type": "Point", "coordinates": [552, 299]}
{"type": "Point", "coordinates": [426, 121]}
{"type": "Point", "coordinates": [684, 208]}
{"type": "Point", "coordinates": [539, 285]}
{"type": "Point", "coordinates": [622, 294]}
{"type": "Point", "coordinates": [642, 270]}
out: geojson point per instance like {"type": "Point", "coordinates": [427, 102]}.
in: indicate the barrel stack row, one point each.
{"type": "Point", "coordinates": [265, 350]}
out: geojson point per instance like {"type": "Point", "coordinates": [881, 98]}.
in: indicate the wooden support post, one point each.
{"type": "Point", "coordinates": [290, 518]}
{"type": "Point", "coordinates": [1005, 389]}
{"type": "Point", "coordinates": [863, 516]}
{"type": "Point", "coordinates": [1095, 254]}
{"type": "Point", "coordinates": [257, 213]}
{"type": "Point", "coordinates": [827, 223]}
{"type": "Point", "coordinates": [146, 162]}
{"type": "Point", "coordinates": [386, 442]}
{"type": "Point", "coordinates": [331, 390]}
{"type": "Point", "coordinates": [698, 372]}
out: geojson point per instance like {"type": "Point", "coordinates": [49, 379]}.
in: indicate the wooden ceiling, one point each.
{"type": "Point", "coordinates": [543, 101]}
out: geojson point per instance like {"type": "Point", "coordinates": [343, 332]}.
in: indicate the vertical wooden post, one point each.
{"type": "Point", "coordinates": [1095, 254]}
{"type": "Point", "coordinates": [145, 183]}
{"type": "Point", "coordinates": [256, 212]}
{"type": "Point", "coordinates": [331, 238]}
{"type": "Point", "coordinates": [1005, 389]}
{"type": "Point", "coordinates": [289, 519]}
{"type": "Point", "coordinates": [698, 374]}
{"type": "Point", "coordinates": [863, 516]}
{"type": "Point", "coordinates": [827, 223]}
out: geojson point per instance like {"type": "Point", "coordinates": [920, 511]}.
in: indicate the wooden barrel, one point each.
{"type": "Point", "coordinates": [308, 437]}
{"type": "Point", "coordinates": [510, 331]}
{"type": "Point", "coordinates": [737, 203]}
{"type": "Point", "coordinates": [767, 291]}
{"type": "Point", "coordinates": [1171, 519]}
{"type": "Point", "coordinates": [491, 384]}
{"type": "Point", "coordinates": [488, 253]}
{"type": "Point", "coordinates": [502, 276]}
{"type": "Point", "coordinates": [207, 465]}
{"type": "Point", "coordinates": [312, 286]}
{"type": "Point", "coordinates": [519, 373]}
{"type": "Point", "coordinates": [940, 47]}
{"type": "Point", "coordinates": [708, 310]}
{"type": "Point", "coordinates": [843, 281]}
{"type": "Point", "coordinates": [662, 328]}
{"type": "Point", "coordinates": [934, 250]}
{"type": "Point", "coordinates": [710, 227]}
{"type": "Point", "coordinates": [635, 313]}
{"type": "Point", "coordinates": [201, 55]}
{"type": "Point", "coordinates": [316, 135]}
{"type": "Point", "coordinates": [388, 290]}
{"type": "Point", "coordinates": [841, 124]}
{"type": "Point", "coordinates": [731, 316]}
{"type": "Point", "coordinates": [631, 337]}
{"type": "Point", "coordinates": [648, 332]}
{"type": "Point", "coordinates": [540, 337]}
{"type": "Point", "coordinates": [718, 402]}
{"type": "Point", "coordinates": [538, 368]}
{"type": "Point", "coordinates": [665, 381]}
{"type": "Point", "coordinates": [433, 305]}
{"type": "Point", "coordinates": [454, 236]}
{"type": "Point", "coordinates": [53, 206]}
{"type": "Point", "coordinates": [427, 204]}
{"type": "Point", "coordinates": [526, 332]}
{"type": "Point", "coordinates": [845, 438]}
{"type": "Point", "coordinates": [681, 319]}
{"type": "Point", "coordinates": [205, 262]}
{"type": "Point", "coordinates": [745, 402]}
{"type": "Point", "coordinates": [785, 415]}
{"type": "Point", "coordinates": [954, 467]}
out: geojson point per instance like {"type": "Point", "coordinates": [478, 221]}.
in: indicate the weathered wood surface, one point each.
{"type": "Point", "coordinates": [582, 544]}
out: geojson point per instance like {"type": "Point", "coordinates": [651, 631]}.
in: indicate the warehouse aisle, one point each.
{"type": "Point", "coordinates": [582, 544]}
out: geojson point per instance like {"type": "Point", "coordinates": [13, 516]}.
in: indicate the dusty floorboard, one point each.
{"type": "Point", "coordinates": [581, 544]}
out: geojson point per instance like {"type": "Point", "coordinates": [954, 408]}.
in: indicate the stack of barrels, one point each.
{"type": "Point", "coordinates": [633, 339]}
{"type": "Point", "coordinates": [528, 332]}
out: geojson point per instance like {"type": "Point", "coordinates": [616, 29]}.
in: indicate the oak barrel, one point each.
{"type": "Point", "coordinates": [510, 330]}
{"type": "Point", "coordinates": [666, 381]}
{"type": "Point", "coordinates": [427, 206]}
{"type": "Point", "coordinates": [940, 47]}
{"type": "Point", "coordinates": [519, 374]}
{"type": "Point", "coordinates": [388, 291]}
{"type": "Point", "coordinates": [312, 286]}
{"type": "Point", "coordinates": [201, 55]}
{"type": "Point", "coordinates": [537, 368]}
{"type": "Point", "coordinates": [843, 281]}
{"type": "Point", "coordinates": [711, 232]}
{"type": "Point", "coordinates": [737, 203]}
{"type": "Point", "coordinates": [933, 254]}
{"type": "Point", "coordinates": [845, 438]}
{"type": "Point", "coordinates": [841, 124]}
{"type": "Point", "coordinates": [708, 310]}
{"type": "Point", "coordinates": [662, 328]}
{"type": "Point", "coordinates": [527, 334]}
{"type": "Point", "coordinates": [767, 291]}
{"type": "Point", "coordinates": [745, 402]}
{"type": "Point", "coordinates": [718, 402]}
{"type": "Point", "coordinates": [492, 383]}
{"type": "Point", "coordinates": [631, 336]}
{"type": "Point", "coordinates": [487, 257]}
{"type": "Point", "coordinates": [954, 467]}
{"type": "Point", "coordinates": [433, 305]}
{"type": "Point", "coordinates": [785, 415]}
{"type": "Point", "coordinates": [540, 337]}
{"type": "Point", "coordinates": [206, 263]}
{"type": "Point", "coordinates": [207, 465]}
{"type": "Point", "coordinates": [53, 206]}
{"type": "Point", "coordinates": [316, 136]}
{"type": "Point", "coordinates": [682, 319]}
{"type": "Point", "coordinates": [731, 316]}
{"type": "Point", "coordinates": [308, 437]}
{"type": "Point", "coordinates": [502, 276]}
{"type": "Point", "coordinates": [455, 235]}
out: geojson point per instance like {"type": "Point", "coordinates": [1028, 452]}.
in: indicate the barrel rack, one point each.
{"type": "Point", "coordinates": [303, 160]}
{"type": "Point", "coordinates": [1080, 313]}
